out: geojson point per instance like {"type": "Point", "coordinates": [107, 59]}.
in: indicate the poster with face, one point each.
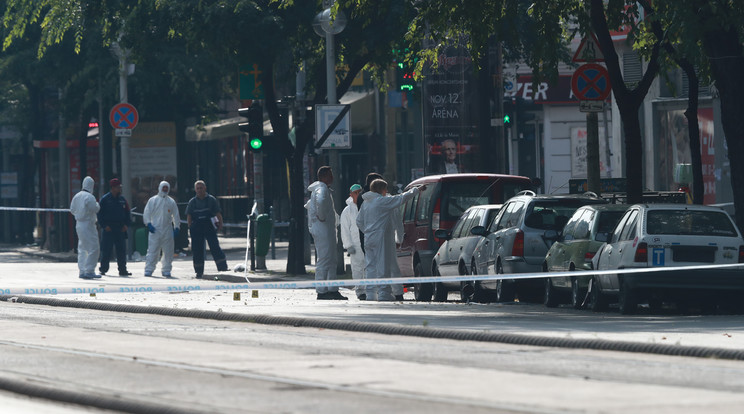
{"type": "Point", "coordinates": [674, 160]}
{"type": "Point", "coordinates": [449, 94]}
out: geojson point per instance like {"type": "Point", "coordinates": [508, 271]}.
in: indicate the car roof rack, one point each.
{"type": "Point", "coordinates": [526, 192]}
{"type": "Point", "coordinates": [591, 194]}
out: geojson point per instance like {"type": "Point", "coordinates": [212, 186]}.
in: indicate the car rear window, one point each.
{"type": "Point", "coordinates": [690, 222]}
{"type": "Point", "coordinates": [551, 214]}
{"type": "Point", "coordinates": [458, 196]}
{"type": "Point", "coordinates": [608, 220]}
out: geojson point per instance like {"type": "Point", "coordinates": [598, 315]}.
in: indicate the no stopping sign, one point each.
{"type": "Point", "coordinates": [591, 82]}
{"type": "Point", "coordinates": [123, 116]}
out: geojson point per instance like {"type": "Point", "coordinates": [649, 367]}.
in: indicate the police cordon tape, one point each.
{"type": "Point", "coordinates": [67, 210]}
{"type": "Point", "coordinates": [348, 283]}
{"type": "Point", "coordinates": [53, 210]}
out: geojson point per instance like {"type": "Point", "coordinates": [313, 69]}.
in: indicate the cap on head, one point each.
{"type": "Point", "coordinates": [355, 187]}
{"type": "Point", "coordinates": [114, 182]}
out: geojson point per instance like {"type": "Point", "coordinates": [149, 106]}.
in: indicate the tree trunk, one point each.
{"type": "Point", "coordinates": [296, 253]}
{"type": "Point", "coordinates": [628, 101]}
{"type": "Point", "coordinates": [693, 129]}
{"type": "Point", "coordinates": [633, 151]}
{"type": "Point", "coordinates": [727, 65]}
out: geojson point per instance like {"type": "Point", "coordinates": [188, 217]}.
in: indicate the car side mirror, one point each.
{"type": "Point", "coordinates": [442, 234]}
{"type": "Point", "coordinates": [551, 235]}
{"type": "Point", "coordinates": [603, 237]}
{"type": "Point", "coordinates": [479, 231]}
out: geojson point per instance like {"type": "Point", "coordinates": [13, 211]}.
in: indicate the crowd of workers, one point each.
{"type": "Point", "coordinates": [371, 226]}
{"type": "Point", "coordinates": [163, 223]}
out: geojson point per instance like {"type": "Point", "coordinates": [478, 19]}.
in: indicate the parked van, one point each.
{"type": "Point", "coordinates": [439, 206]}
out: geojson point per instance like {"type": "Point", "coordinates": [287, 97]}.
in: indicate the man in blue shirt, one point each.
{"type": "Point", "coordinates": [205, 219]}
{"type": "Point", "coordinates": [114, 217]}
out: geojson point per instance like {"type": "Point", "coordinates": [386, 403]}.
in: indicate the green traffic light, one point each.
{"type": "Point", "coordinates": [256, 143]}
{"type": "Point", "coordinates": [507, 119]}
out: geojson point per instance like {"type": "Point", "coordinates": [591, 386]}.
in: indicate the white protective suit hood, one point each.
{"type": "Point", "coordinates": [320, 204]}
{"type": "Point", "coordinates": [88, 184]}
{"type": "Point", "coordinates": [162, 193]}
{"type": "Point", "coordinates": [370, 195]}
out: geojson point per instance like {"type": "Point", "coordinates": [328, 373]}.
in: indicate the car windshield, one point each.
{"type": "Point", "coordinates": [690, 222]}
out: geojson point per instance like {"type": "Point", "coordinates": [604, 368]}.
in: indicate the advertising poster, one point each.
{"type": "Point", "coordinates": [674, 161]}
{"type": "Point", "coordinates": [450, 96]}
{"type": "Point", "coordinates": [152, 159]}
{"type": "Point", "coordinates": [578, 153]}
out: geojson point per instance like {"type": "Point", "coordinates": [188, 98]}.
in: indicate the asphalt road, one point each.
{"type": "Point", "coordinates": [182, 363]}
{"type": "Point", "coordinates": [194, 365]}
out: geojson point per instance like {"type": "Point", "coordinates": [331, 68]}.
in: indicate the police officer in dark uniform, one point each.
{"type": "Point", "coordinates": [205, 219]}
{"type": "Point", "coordinates": [114, 217]}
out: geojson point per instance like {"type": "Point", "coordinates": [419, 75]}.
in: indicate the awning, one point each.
{"type": "Point", "coordinates": [224, 128]}
{"type": "Point", "coordinates": [362, 111]}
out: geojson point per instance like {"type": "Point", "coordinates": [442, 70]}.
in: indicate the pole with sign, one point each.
{"type": "Point", "coordinates": [591, 84]}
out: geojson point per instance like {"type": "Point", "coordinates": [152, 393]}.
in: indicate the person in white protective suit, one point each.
{"type": "Point", "coordinates": [378, 221]}
{"type": "Point", "coordinates": [85, 207]}
{"type": "Point", "coordinates": [163, 221]}
{"type": "Point", "coordinates": [350, 238]}
{"type": "Point", "coordinates": [322, 221]}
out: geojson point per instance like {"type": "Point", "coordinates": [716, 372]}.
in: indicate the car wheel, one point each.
{"type": "Point", "coordinates": [504, 289]}
{"type": "Point", "coordinates": [466, 288]}
{"type": "Point", "coordinates": [577, 294]}
{"type": "Point", "coordinates": [480, 295]}
{"type": "Point", "coordinates": [597, 300]}
{"type": "Point", "coordinates": [551, 295]}
{"type": "Point", "coordinates": [627, 300]}
{"type": "Point", "coordinates": [440, 291]}
{"type": "Point", "coordinates": [421, 291]}
{"type": "Point", "coordinates": [655, 304]}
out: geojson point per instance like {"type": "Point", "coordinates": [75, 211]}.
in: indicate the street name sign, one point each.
{"type": "Point", "coordinates": [333, 126]}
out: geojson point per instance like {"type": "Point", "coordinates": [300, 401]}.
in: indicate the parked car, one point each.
{"type": "Point", "coordinates": [453, 256]}
{"type": "Point", "coordinates": [519, 238]}
{"type": "Point", "coordinates": [650, 235]}
{"type": "Point", "coordinates": [444, 200]}
{"type": "Point", "coordinates": [574, 249]}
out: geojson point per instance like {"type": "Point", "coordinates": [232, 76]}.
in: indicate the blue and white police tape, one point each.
{"type": "Point", "coordinates": [95, 286]}
{"type": "Point", "coordinates": [238, 225]}
{"type": "Point", "coordinates": [67, 210]}
{"type": "Point", "coordinates": [53, 210]}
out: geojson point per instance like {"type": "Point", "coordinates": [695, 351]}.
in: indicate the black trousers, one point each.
{"type": "Point", "coordinates": [116, 239]}
{"type": "Point", "coordinates": [202, 230]}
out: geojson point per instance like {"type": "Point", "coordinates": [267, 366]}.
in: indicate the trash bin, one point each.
{"type": "Point", "coordinates": [140, 241]}
{"type": "Point", "coordinates": [263, 234]}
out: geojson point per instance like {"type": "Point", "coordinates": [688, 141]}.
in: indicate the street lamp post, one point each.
{"type": "Point", "coordinates": [325, 24]}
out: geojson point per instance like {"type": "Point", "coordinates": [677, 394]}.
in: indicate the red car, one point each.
{"type": "Point", "coordinates": [439, 206]}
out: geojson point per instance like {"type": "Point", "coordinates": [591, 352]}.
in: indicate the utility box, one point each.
{"type": "Point", "coordinates": [264, 224]}
{"type": "Point", "coordinates": [140, 241]}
